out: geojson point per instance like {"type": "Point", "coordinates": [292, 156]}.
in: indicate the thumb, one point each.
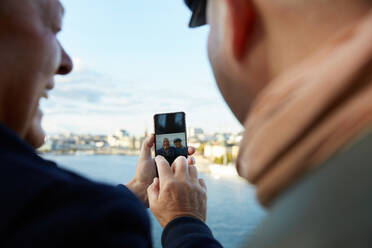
{"type": "Point", "coordinates": [153, 191]}
{"type": "Point", "coordinates": [146, 147]}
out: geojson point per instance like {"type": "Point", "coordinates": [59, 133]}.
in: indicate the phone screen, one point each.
{"type": "Point", "coordinates": [170, 135]}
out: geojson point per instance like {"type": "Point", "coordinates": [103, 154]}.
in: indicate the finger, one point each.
{"type": "Point", "coordinates": [146, 146]}
{"type": "Point", "coordinates": [152, 167]}
{"type": "Point", "coordinates": [173, 169]}
{"type": "Point", "coordinates": [153, 191]}
{"type": "Point", "coordinates": [190, 150]}
{"type": "Point", "coordinates": [193, 172]}
{"type": "Point", "coordinates": [191, 160]}
{"type": "Point", "coordinates": [202, 184]}
{"type": "Point", "coordinates": [180, 167]}
{"type": "Point", "coordinates": [164, 169]}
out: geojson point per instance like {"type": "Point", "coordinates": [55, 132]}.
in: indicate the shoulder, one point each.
{"type": "Point", "coordinates": [184, 149]}
{"type": "Point", "coordinates": [28, 176]}
{"type": "Point", "coordinates": [43, 198]}
{"type": "Point", "coordinates": [171, 148]}
{"type": "Point", "coordinates": [329, 207]}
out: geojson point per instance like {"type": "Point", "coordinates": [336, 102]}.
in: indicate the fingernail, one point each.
{"type": "Point", "coordinates": [159, 158]}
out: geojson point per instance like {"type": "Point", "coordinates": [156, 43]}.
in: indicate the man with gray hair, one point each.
{"type": "Point", "coordinates": [43, 205]}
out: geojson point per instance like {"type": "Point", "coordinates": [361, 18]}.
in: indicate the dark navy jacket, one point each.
{"type": "Point", "coordinates": [42, 205]}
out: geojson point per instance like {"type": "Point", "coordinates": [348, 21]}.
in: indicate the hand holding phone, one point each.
{"type": "Point", "coordinates": [145, 171]}
{"type": "Point", "coordinates": [177, 194]}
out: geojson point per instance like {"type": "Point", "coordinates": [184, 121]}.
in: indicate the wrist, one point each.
{"type": "Point", "coordinates": [139, 189]}
{"type": "Point", "coordinates": [179, 229]}
{"type": "Point", "coordinates": [166, 221]}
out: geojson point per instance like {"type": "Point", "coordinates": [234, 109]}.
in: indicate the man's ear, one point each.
{"type": "Point", "coordinates": [241, 17]}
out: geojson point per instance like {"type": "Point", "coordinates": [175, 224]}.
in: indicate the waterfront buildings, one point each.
{"type": "Point", "coordinates": [221, 148]}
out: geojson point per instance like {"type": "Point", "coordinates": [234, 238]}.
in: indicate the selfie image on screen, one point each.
{"type": "Point", "coordinates": [170, 136]}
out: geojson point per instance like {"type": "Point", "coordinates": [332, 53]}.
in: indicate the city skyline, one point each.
{"type": "Point", "coordinates": [220, 148]}
{"type": "Point", "coordinates": [132, 60]}
{"type": "Point", "coordinates": [146, 132]}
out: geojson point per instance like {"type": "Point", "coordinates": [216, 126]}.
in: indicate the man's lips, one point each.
{"type": "Point", "coordinates": [44, 95]}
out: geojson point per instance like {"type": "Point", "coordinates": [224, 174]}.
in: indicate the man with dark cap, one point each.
{"type": "Point", "coordinates": [297, 74]}
{"type": "Point", "coordinates": [180, 149]}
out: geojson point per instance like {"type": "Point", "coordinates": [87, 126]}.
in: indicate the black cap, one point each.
{"type": "Point", "coordinates": [198, 9]}
{"type": "Point", "coordinates": [177, 140]}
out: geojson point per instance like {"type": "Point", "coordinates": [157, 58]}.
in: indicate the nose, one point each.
{"type": "Point", "coordinates": [66, 63]}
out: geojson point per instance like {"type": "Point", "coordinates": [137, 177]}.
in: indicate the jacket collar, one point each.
{"type": "Point", "coordinates": [11, 142]}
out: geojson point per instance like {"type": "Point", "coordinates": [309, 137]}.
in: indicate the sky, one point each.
{"type": "Point", "coordinates": [133, 59]}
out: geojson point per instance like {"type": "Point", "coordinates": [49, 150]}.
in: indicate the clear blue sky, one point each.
{"type": "Point", "coordinates": [133, 59]}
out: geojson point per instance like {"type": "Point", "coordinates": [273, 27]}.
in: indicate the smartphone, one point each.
{"type": "Point", "coordinates": [170, 135]}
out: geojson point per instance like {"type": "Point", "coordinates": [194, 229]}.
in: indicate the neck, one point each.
{"type": "Point", "coordinates": [294, 34]}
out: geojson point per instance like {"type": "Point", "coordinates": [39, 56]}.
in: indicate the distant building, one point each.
{"type": "Point", "coordinates": [194, 132]}
{"type": "Point", "coordinates": [47, 145]}
{"type": "Point", "coordinates": [123, 142]}
{"type": "Point", "coordinates": [222, 137]}
{"type": "Point", "coordinates": [235, 139]}
{"type": "Point", "coordinates": [216, 150]}
{"type": "Point", "coordinates": [121, 133]}
{"type": "Point", "coordinates": [138, 141]}
{"type": "Point", "coordinates": [212, 146]}
{"type": "Point", "coordinates": [194, 142]}
{"type": "Point", "coordinates": [206, 138]}
{"type": "Point", "coordinates": [235, 152]}
{"type": "Point", "coordinates": [122, 139]}
{"type": "Point", "coordinates": [100, 144]}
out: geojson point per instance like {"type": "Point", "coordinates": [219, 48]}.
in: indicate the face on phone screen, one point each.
{"type": "Point", "coordinates": [170, 136]}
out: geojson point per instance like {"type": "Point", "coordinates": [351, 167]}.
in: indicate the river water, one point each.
{"type": "Point", "coordinates": [233, 211]}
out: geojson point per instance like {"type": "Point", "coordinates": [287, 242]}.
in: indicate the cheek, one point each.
{"type": "Point", "coordinates": [43, 66]}
{"type": "Point", "coordinates": [218, 59]}
{"type": "Point", "coordinates": [211, 48]}
{"type": "Point", "coordinates": [234, 88]}
{"type": "Point", "coordinates": [215, 51]}
{"type": "Point", "coordinates": [51, 56]}
{"type": "Point", "coordinates": [218, 44]}
{"type": "Point", "coordinates": [215, 36]}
